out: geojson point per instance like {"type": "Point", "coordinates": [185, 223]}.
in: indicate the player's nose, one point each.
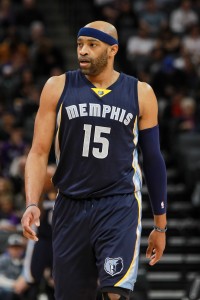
{"type": "Point", "coordinates": [84, 50]}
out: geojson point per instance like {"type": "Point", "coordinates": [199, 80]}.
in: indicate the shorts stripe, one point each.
{"type": "Point", "coordinates": [131, 274]}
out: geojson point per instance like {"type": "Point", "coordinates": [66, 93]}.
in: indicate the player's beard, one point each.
{"type": "Point", "coordinates": [97, 65]}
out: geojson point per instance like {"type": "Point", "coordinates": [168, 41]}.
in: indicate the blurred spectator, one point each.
{"type": "Point", "coordinates": [100, 3]}
{"type": "Point", "coordinates": [109, 12]}
{"type": "Point", "coordinates": [18, 164]}
{"type": "Point", "coordinates": [106, 10]}
{"type": "Point", "coordinates": [12, 148]}
{"type": "Point", "coordinates": [5, 186]}
{"type": "Point", "coordinates": [28, 112]}
{"type": "Point", "coordinates": [31, 104]}
{"type": "Point", "coordinates": [152, 18]}
{"type": "Point", "coordinates": [179, 116]}
{"type": "Point", "coordinates": [46, 58]}
{"type": "Point", "coordinates": [37, 34]}
{"type": "Point", "coordinates": [127, 22]}
{"type": "Point", "coordinates": [187, 120]}
{"type": "Point", "coordinates": [168, 79]}
{"type": "Point", "coordinates": [127, 25]}
{"type": "Point", "coordinates": [9, 220]}
{"type": "Point", "coordinates": [139, 48]}
{"type": "Point", "coordinates": [187, 66]}
{"type": "Point", "coordinates": [196, 7]}
{"type": "Point", "coordinates": [28, 13]}
{"type": "Point", "coordinates": [167, 5]}
{"type": "Point", "coordinates": [183, 17]}
{"type": "Point", "coordinates": [7, 122]}
{"type": "Point", "coordinates": [191, 43]}
{"type": "Point", "coordinates": [13, 50]}
{"type": "Point", "coordinates": [173, 110]}
{"type": "Point", "coordinates": [11, 263]}
{"type": "Point", "coordinates": [18, 103]}
{"type": "Point", "coordinates": [139, 5]}
{"type": "Point", "coordinates": [157, 56]}
{"type": "Point", "coordinates": [27, 82]}
{"type": "Point", "coordinates": [169, 41]}
{"type": "Point", "coordinates": [16, 174]}
{"type": "Point", "coordinates": [9, 85]}
{"type": "Point", "coordinates": [7, 14]}
{"type": "Point", "coordinates": [44, 54]}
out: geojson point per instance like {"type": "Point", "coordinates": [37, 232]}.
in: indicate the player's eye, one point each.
{"type": "Point", "coordinates": [93, 45]}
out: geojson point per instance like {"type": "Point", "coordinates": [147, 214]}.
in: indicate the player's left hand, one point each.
{"type": "Point", "coordinates": [30, 217]}
{"type": "Point", "coordinates": [156, 246]}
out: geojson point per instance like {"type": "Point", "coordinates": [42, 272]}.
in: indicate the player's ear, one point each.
{"type": "Point", "coordinates": [114, 49]}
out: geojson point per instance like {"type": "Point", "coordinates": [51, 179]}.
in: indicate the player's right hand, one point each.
{"type": "Point", "coordinates": [30, 217]}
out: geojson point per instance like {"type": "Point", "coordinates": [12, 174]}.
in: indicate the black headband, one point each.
{"type": "Point", "coordinates": [98, 34]}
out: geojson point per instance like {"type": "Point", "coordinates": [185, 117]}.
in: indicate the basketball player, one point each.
{"type": "Point", "coordinates": [100, 115]}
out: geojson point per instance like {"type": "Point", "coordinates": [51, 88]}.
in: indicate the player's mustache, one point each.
{"type": "Point", "coordinates": [84, 59]}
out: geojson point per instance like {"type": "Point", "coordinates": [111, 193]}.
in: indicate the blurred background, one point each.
{"type": "Point", "coordinates": [159, 44]}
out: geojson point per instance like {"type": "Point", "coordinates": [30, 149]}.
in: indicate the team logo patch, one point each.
{"type": "Point", "coordinates": [113, 266]}
{"type": "Point", "coordinates": [101, 92]}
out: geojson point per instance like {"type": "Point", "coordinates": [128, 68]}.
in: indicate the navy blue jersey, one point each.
{"type": "Point", "coordinates": [96, 139]}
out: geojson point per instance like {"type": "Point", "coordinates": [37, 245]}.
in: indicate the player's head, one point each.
{"type": "Point", "coordinates": [97, 46]}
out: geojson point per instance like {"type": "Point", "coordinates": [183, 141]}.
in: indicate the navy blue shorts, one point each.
{"type": "Point", "coordinates": [95, 244]}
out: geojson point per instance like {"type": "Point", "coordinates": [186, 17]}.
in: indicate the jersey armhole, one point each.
{"type": "Point", "coordinates": [136, 81]}
{"type": "Point", "coordinates": [62, 94]}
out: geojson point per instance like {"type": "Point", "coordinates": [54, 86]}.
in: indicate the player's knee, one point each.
{"type": "Point", "coordinates": [111, 296]}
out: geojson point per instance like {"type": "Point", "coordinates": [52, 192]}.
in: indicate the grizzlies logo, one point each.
{"type": "Point", "coordinates": [113, 266]}
{"type": "Point", "coordinates": [100, 93]}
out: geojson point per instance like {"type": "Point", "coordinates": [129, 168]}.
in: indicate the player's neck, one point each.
{"type": "Point", "coordinates": [104, 80]}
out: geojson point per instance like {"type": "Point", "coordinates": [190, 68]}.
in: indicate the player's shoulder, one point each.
{"type": "Point", "coordinates": [146, 96]}
{"type": "Point", "coordinates": [56, 82]}
{"type": "Point", "coordinates": [53, 89]}
{"type": "Point", "coordinates": [144, 87]}
{"type": "Point", "coordinates": [145, 91]}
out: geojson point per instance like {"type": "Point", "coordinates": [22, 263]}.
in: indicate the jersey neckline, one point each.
{"type": "Point", "coordinates": [119, 79]}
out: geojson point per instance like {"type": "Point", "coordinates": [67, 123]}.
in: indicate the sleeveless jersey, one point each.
{"type": "Point", "coordinates": [96, 138]}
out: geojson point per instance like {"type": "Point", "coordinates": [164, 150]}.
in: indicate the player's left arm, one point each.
{"type": "Point", "coordinates": [154, 168]}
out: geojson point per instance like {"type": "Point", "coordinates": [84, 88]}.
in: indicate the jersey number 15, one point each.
{"type": "Point", "coordinates": [98, 152]}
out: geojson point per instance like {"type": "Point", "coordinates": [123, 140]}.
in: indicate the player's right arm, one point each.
{"type": "Point", "coordinates": [37, 160]}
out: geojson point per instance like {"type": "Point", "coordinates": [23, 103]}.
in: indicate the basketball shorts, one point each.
{"type": "Point", "coordinates": [95, 244]}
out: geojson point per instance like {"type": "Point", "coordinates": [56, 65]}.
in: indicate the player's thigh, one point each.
{"type": "Point", "coordinates": [74, 268]}
{"type": "Point", "coordinates": [118, 232]}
